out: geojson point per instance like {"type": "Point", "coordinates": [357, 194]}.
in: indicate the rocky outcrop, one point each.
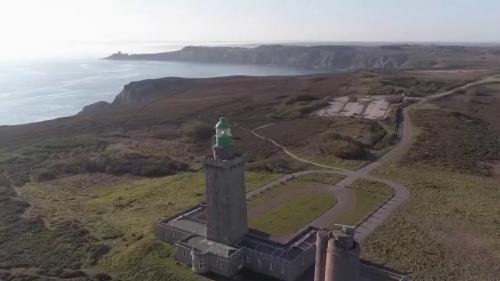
{"type": "Point", "coordinates": [95, 107]}
{"type": "Point", "coordinates": [336, 58]}
{"type": "Point", "coordinates": [144, 91]}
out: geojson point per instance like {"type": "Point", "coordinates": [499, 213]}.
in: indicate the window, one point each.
{"type": "Point", "coordinates": [283, 269]}
{"type": "Point", "coordinates": [271, 266]}
{"type": "Point", "coordinates": [248, 259]}
{"type": "Point", "coordinates": [223, 132]}
{"type": "Point", "coordinates": [259, 262]}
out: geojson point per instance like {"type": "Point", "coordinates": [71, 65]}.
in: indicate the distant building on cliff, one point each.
{"type": "Point", "coordinates": [214, 237]}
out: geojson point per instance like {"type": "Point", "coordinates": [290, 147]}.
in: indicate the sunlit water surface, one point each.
{"type": "Point", "coordinates": [42, 90]}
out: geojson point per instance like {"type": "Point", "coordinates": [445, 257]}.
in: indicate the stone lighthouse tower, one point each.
{"type": "Point", "coordinates": [225, 189]}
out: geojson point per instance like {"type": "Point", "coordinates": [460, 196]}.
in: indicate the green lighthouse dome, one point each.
{"type": "Point", "coordinates": [223, 136]}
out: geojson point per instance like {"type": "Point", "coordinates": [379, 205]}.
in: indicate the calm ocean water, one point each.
{"type": "Point", "coordinates": [43, 90]}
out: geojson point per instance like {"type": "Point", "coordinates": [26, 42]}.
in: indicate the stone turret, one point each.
{"type": "Point", "coordinates": [227, 219]}
{"type": "Point", "coordinates": [342, 256]}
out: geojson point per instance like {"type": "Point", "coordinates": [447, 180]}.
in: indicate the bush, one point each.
{"type": "Point", "coordinates": [312, 106]}
{"type": "Point", "coordinates": [292, 111]}
{"type": "Point", "coordinates": [299, 97]}
{"type": "Point", "coordinates": [196, 130]}
{"type": "Point", "coordinates": [343, 149]}
{"type": "Point", "coordinates": [44, 175]}
{"type": "Point", "coordinates": [67, 143]}
{"type": "Point", "coordinates": [279, 166]}
{"type": "Point", "coordinates": [137, 164]}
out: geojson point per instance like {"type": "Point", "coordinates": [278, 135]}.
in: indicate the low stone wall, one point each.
{"type": "Point", "coordinates": [170, 234]}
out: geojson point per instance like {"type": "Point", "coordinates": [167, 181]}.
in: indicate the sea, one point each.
{"type": "Point", "coordinates": [34, 89]}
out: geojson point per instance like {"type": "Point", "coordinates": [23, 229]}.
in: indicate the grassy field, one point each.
{"type": "Point", "coordinates": [453, 141]}
{"type": "Point", "coordinates": [121, 212]}
{"type": "Point", "coordinates": [255, 180]}
{"type": "Point", "coordinates": [5, 155]}
{"type": "Point", "coordinates": [448, 230]}
{"type": "Point", "coordinates": [291, 216]}
{"type": "Point", "coordinates": [289, 207]}
{"type": "Point", "coordinates": [299, 185]}
{"type": "Point", "coordinates": [367, 196]}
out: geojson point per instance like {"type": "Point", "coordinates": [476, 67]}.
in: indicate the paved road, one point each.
{"type": "Point", "coordinates": [401, 193]}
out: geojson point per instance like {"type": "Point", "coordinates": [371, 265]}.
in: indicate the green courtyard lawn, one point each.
{"type": "Point", "coordinates": [291, 216]}
{"type": "Point", "coordinates": [287, 208]}
{"type": "Point", "coordinates": [367, 196]}
{"type": "Point", "coordinates": [255, 180]}
{"type": "Point", "coordinates": [299, 185]}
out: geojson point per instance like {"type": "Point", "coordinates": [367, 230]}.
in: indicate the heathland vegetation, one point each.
{"type": "Point", "coordinates": [91, 187]}
{"type": "Point", "coordinates": [450, 227]}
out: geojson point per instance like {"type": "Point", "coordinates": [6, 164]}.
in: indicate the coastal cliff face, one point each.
{"type": "Point", "coordinates": [333, 58]}
{"type": "Point", "coordinates": [139, 92]}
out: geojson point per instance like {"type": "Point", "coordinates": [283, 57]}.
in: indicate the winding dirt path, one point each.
{"type": "Point", "coordinates": [401, 193]}
{"type": "Point", "coordinates": [289, 153]}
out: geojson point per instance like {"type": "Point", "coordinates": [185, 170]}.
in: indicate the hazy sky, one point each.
{"type": "Point", "coordinates": [50, 21]}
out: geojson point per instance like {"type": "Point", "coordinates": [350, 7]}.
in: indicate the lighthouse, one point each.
{"type": "Point", "coordinates": [227, 220]}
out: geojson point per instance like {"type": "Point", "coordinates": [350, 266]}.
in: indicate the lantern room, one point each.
{"type": "Point", "coordinates": [223, 136]}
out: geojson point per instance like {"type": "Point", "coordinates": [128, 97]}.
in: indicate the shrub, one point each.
{"type": "Point", "coordinates": [343, 149]}
{"type": "Point", "coordinates": [312, 106]}
{"type": "Point", "coordinates": [280, 166]}
{"type": "Point", "coordinates": [44, 174]}
{"type": "Point", "coordinates": [196, 130]}
{"type": "Point", "coordinates": [71, 142]}
{"type": "Point", "coordinates": [299, 97]}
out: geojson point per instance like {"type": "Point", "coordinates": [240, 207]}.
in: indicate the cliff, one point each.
{"type": "Point", "coordinates": [333, 58]}
{"type": "Point", "coordinates": [144, 91]}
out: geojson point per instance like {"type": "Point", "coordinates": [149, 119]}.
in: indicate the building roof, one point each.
{"type": "Point", "coordinates": [204, 245]}
{"type": "Point", "coordinates": [302, 242]}
{"type": "Point", "coordinates": [190, 222]}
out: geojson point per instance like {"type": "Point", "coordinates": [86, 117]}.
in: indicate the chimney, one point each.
{"type": "Point", "coordinates": [321, 242]}
{"type": "Point", "coordinates": [342, 258]}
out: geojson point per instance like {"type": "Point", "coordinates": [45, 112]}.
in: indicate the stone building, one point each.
{"type": "Point", "coordinates": [214, 236]}
{"type": "Point", "coordinates": [225, 189]}
{"type": "Point", "coordinates": [337, 256]}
